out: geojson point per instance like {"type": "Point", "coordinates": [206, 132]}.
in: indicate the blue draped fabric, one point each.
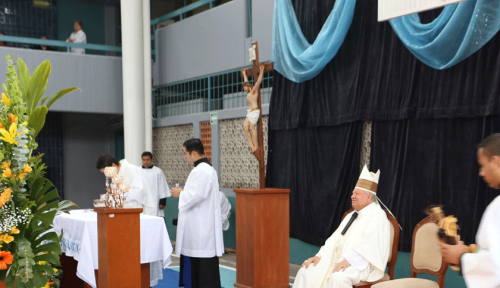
{"type": "Point", "coordinates": [459, 31]}
{"type": "Point", "coordinates": [292, 54]}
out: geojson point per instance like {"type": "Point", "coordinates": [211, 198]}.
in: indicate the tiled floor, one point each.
{"type": "Point", "coordinates": [229, 261]}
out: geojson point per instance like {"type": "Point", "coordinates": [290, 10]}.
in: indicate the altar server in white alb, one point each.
{"type": "Point", "coordinates": [156, 181]}
{"type": "Point", "coordinates": [199, 228]}
{"type": "Point", "coordinates": [355, 252]}
{"type": "Point", "coordinates": [481, 268]}
{"type": "Point", "coordinates": [139, 194]}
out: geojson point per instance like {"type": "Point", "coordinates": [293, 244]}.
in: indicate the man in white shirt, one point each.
{"type": "Point", "coordinates": [358, 250]}
{"type": "Point", "coordinates": [77, 37]}
{"type": "Point", "coordinates": [156, 182]}
{"type": "Point", "coordinates": [199, 229]}
{"type": "Point", "coordinates": [481, 268]}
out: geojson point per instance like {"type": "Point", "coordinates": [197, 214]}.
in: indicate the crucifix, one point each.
{"type": "Point", "coordinates": [257, 71]}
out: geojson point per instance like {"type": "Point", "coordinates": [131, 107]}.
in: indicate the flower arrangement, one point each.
{"type": "Point", "coordinates": [115, 196]}
{"type": "Point", "coordinates": [29, 253]}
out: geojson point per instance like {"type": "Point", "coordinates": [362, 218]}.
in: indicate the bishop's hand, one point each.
{"type": "Point", "coordinates": [341, 266]}
{"type": "Point", "coordinates": [315, 260]}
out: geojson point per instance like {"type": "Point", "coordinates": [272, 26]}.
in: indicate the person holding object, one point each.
{"type": "Point", "coordinates": [199, 229]}
{"type": "Point", "coordinates": [253, 112]}
{"type": "Point", "coordinates": [358, 250]}
{"type": "Point", "coordinates": [480, 267]}
{"type": "Point", "coordinates": [139, 194]}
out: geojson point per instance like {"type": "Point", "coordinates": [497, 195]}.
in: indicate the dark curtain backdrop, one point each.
{"type": "Point", "coordinates": [432, 161]}
{"type": "Point", "coordinates": [313, 162]}
{"type": "Point", "coordinates": [315, 127]}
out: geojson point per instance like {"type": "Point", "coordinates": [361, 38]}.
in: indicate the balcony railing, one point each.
{"type": "Point", "coordinates": [209, 93]}
{"type": "Point", "coordinates": [59, 43]}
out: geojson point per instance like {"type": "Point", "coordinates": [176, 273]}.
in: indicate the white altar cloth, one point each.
{"type": "Point", "coordinates": [80, 241]}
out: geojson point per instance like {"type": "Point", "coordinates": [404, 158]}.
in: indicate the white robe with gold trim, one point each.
{"type": "Point", "coordinates": [368, 236]}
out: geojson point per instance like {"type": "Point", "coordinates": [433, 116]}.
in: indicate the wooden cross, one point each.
{"type": "Point", "coordinates": [260, 135]}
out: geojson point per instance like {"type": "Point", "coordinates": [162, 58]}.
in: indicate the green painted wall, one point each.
{"type": "Point", "coordinates": [92, 16]}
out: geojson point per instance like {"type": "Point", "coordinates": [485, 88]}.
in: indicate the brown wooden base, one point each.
{"type": "Point", "coordinates": [262, 238]}
{"type": "Point", "coordinates": [244, 286]}
{"type": "Point", "coordinates": [70, 280]}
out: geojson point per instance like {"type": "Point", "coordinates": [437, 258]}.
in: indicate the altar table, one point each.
{"type": "Point", "coordinates": [79, 241]}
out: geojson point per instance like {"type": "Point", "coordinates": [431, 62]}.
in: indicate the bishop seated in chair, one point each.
{"type": "Point", "coordinates": [358, 250]}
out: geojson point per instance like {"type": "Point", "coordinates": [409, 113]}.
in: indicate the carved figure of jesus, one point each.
{"type": "Point", "coordinates": [253, 111]}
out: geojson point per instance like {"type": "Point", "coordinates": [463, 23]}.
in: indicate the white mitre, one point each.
{"type": "Point", "coordinates": [368, 181]}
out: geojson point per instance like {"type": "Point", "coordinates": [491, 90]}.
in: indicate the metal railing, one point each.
{"type": "Point", "coordinates": [59, 43]}
{"type": "Point", "coordinates": [209, 93]}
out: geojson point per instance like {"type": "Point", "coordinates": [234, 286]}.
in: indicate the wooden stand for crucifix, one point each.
{"type": "Point", "coordinates": [262, 221]}
{"type": "Point", "coordinates": [260, 134]}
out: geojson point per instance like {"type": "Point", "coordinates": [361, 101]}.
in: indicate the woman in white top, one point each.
{"type": "Point", "coordinates": [77, 37]}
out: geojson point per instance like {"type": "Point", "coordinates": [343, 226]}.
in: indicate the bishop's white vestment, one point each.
{"type": "Point", "coordinates": [365, 245]}
{"type": "Point", "coordinates": [158, 185]}
{"type": "Point", "coordinates": [199, 228]}
{"type": "Point", "coordinates": [482, 269]}
{"type": "Point", "coordinates": [139, 194]}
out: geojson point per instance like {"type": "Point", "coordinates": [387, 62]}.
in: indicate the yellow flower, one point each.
{"type": "Point", "coordinates": [6, 238]}
{"type": "Point", "coordinates": [47, 285]}
{"type": "Point", "coordinates": [10, 135]}
{"type": "Point", "coordinates": [6, 100]}
{"type": "Point", "coordinates": [55, 270]}
{"type": "Point", "coordinates": [42, 262]}
{"type": "Point", "coordinates": [5, 165]}
{"type": "Point", "coordinates": [27, 169]}
{"type": "Point", "coordinates": [5, 196]}
{"type": "Point", "coordinates": [12, 117]}
{"type": "Point", "coordinates": [7, 173]}
{"type": "Point", "coordinates": [14, 230]}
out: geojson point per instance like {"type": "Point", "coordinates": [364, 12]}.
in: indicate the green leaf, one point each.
{"type": "Point", "coordinates": [52, 206]}
{"type": "Point", "coordinates": [50, 236]}
{"type": "Point", "coordinates": [38, 85]}
{"type": "Point", "coordinates": [45, 268]}
{"type": "Point", "coordinates": [45, 99]}
{"type": "Point", "coordinates": [24, 78]}
{"type": "Point", "coordinates": [50, 258]}
{"type": "Point", "coordinates": [46, 218]}
{"type": "Point", "coordinates": [60, 94]}
{"type": "Point", "coordinates": [49, 247]}
{"type": "Point", "coordinates": [39, 189]}
{"type": "Point", "coordinates": [11, 278]}
{"type": "Point", "coordinates": [48, 196]}
{"type": "Point", "coordinates": [65, 204]}
{"type": "Point", "coordinates": [36, 118]}
{"type": "Point", "coordinates": [40, 280]}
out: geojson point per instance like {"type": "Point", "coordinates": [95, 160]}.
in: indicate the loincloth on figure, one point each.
{"type": "Point", "coordinates": [253, 115]}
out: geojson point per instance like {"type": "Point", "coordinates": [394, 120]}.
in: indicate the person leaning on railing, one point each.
{"type": "Point", "coordinates": [77, 37]}
{"type": "Point", "coordinates": [3, 44]}
{"type": "Point", "coordinates": [45, 47]}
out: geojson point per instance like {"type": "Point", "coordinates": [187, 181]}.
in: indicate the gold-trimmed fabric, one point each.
{"type": "Point", "coordinates": [368, 185]}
